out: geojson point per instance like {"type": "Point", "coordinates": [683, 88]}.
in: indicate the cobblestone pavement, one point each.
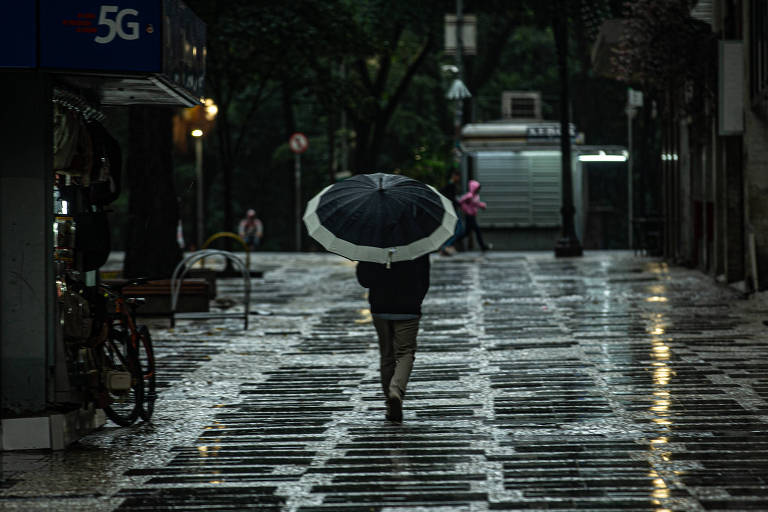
{"type": "Point", "coordinates": [608, 382]}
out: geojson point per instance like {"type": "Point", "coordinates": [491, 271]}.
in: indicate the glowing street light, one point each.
{"type": "Point", "coordinates": [210, 109]}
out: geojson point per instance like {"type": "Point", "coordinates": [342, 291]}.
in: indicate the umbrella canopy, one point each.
{"type": "Point", "coordinates": [380, 218]}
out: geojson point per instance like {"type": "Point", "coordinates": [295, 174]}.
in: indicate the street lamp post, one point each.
{"type": "Point", "coordinates": [634, 101]}
{"type": "Point", "coordinates": [462, 91]}
{"type": "Point", "coordinates": [568, 244]}
{"type": "Point", "coordinates": [198, 135]}
{"type": "Point", "coordinates": [459, 41]}
{"type": "Point", "coordinates": [631, 112]}
{"type": "Point", "coordinates": [200, 119]}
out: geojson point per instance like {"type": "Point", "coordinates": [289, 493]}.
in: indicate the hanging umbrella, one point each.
{"type": "Point", "coordinates": [380, 218]}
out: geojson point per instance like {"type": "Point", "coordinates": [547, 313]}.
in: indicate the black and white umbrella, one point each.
{"type": "Point", "coordinates": [380, 218]}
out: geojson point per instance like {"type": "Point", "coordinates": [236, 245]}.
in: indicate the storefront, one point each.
{"type": "Point", "coordinates": [62, 63]}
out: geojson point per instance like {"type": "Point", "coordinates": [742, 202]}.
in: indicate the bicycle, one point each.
{"type": "Point", "coordinates": [136, 338]}
{"type": "Point", "coordinates": [116, 364]}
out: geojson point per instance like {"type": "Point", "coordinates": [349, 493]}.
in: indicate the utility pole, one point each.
{"type": "Point", "coordinates": [634, 101]}
{"type": "Point", "coordinates": [568, 244]}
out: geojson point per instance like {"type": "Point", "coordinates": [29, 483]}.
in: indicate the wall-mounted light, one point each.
{"type": "Point", "coordinates": [601, 156]}
{"type": "Point", "coordinates": [197, 133]}
{"type": "Point", "coordinates": [210, 109]}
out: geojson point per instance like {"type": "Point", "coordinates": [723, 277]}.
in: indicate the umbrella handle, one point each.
{"type": "Point", "coordinates": [390, 253]}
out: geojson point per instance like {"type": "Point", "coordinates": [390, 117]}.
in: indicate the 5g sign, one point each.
{"type": "Point", "coordinates": [117, 26]}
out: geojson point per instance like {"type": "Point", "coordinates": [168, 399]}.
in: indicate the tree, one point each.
{"type": "Point", "coordinates": [498, 20]}
{"type": "Point", "coordinates": [278, 68]}
{"type": "Point", "coordinates": [258, 51]}
{"type": "Point", "coordinates": [664, 50]}
{"type": "Point", "coordinates": [400, 39]}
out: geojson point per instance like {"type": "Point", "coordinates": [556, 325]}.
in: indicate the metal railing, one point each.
{"type": "Point", "coordinates": [178, 278]}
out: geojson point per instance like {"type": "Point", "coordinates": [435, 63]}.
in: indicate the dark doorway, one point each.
{"type": "Point", "coordinates": [605, 200]}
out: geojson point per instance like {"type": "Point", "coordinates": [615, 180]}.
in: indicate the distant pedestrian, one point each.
{"type": "Point", "coordinates": [251, 229]}
{"type": "Point", "coordinates": [451, 191]}
{"type": "Point", "coordinates": [180, 235]}
{"type": "Point", "coordinates": [395, 295]}
{"type": "Point", "coordinates": [470, 203]}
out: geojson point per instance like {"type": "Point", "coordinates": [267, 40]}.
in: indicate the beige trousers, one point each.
{"type": "Point", "coordinates": [397, 347]}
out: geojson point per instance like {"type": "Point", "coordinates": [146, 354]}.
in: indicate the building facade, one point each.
{"type": "Point", "coordinates": [712, 130]}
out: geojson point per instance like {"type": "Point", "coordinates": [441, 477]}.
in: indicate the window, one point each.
{"type": "Point", "coordinates": [758, 51]}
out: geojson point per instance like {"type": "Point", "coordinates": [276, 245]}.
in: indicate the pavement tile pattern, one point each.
{"type": "Point", "coordinates": [608, 382]}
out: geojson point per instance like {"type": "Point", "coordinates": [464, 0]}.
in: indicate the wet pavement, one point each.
{"type": "Point", "coordinates": [608, 382]}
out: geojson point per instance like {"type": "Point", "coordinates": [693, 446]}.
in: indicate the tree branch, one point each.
{"type": "Point", "coordinates": [386, 63]}
{"type": "Point", "coordinates": [492, 56]}
{"type": "Point", "coordinates": [362, 70]}
{"type": "Point", "coordinates": [254, 106]}
{"type": "Point", "coordinates": [402, 87]}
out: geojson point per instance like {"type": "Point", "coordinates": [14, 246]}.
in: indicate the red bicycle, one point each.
{"type": "Point", "coordinates": [115, 357]}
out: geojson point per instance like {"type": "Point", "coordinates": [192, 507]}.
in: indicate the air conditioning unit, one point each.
{"type": "Point", "coordinates": [521, 105]}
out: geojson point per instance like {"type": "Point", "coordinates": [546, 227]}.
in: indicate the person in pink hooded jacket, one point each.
{"type": "Point", "coordinates": [470, 203]}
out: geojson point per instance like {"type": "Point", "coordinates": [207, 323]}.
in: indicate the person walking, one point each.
{"type": "Point", "coordinates": [451, 191]}
{"type": "Point", "coordinates": [396, 291]}
{"type": "Point", "coordinates": [470, 204]}
{"type": "Point", "coordinates": [251, 229]}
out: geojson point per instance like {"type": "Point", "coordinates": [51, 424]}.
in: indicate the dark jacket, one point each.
{"type": "Point", "coordinates": [451, 191]}
{"type": "Point", "coordinates": [399, 289]}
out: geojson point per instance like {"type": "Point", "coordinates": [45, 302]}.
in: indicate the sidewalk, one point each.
{"type": "Point", "coordinates": [608, 382]}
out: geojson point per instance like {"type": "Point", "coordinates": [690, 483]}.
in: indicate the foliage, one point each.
{"type": "Point", "coordinates": [257, 49]}
{"type": "Point", "coordinates": [401, 39]}
{"type": "Point", "coordinates": [275, 68]}
{"type": "Point", "coordinates": [663, 49]}
{"type": "Point", "coordinates": [527, 63]}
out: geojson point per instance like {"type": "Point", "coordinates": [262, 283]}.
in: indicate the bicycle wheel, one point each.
{"type": "Point", "coordinates": [122, 379]}
{"type": "Point", "coordinates": [147, 362]}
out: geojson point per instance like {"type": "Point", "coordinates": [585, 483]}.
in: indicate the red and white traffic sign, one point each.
{"type": "Point", "coordinates": [298, 143]}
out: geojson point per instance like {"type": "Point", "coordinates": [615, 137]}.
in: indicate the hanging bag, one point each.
{"type": "Point", "coordinates": [106, 172]}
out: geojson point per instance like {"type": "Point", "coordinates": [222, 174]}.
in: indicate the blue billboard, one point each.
{"type": "Point", "coordinates": [116, 35]}
{"type": "Point", "coordinates": [156, 47]}
{"type": "Point", "coordinates": [18, 39]}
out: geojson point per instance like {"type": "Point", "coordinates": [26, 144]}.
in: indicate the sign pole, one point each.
{"type": "Point", "coordinates": [298, 143]}
{"type": "Point", "coordinates": [297, 202]}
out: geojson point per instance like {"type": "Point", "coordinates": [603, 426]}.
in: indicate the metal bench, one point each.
{"type": "Point", "coordinates": [194, 295]}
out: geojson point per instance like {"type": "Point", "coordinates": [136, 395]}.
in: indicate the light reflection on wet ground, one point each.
{"type": "Point", "coordinates": [609, 382]}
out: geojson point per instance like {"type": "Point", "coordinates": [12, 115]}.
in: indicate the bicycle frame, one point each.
{"type": "Point", "coordinates": [125, 311]}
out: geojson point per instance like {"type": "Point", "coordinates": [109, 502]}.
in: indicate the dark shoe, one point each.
{"type": "Point", "coordinates": [394, 409]}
